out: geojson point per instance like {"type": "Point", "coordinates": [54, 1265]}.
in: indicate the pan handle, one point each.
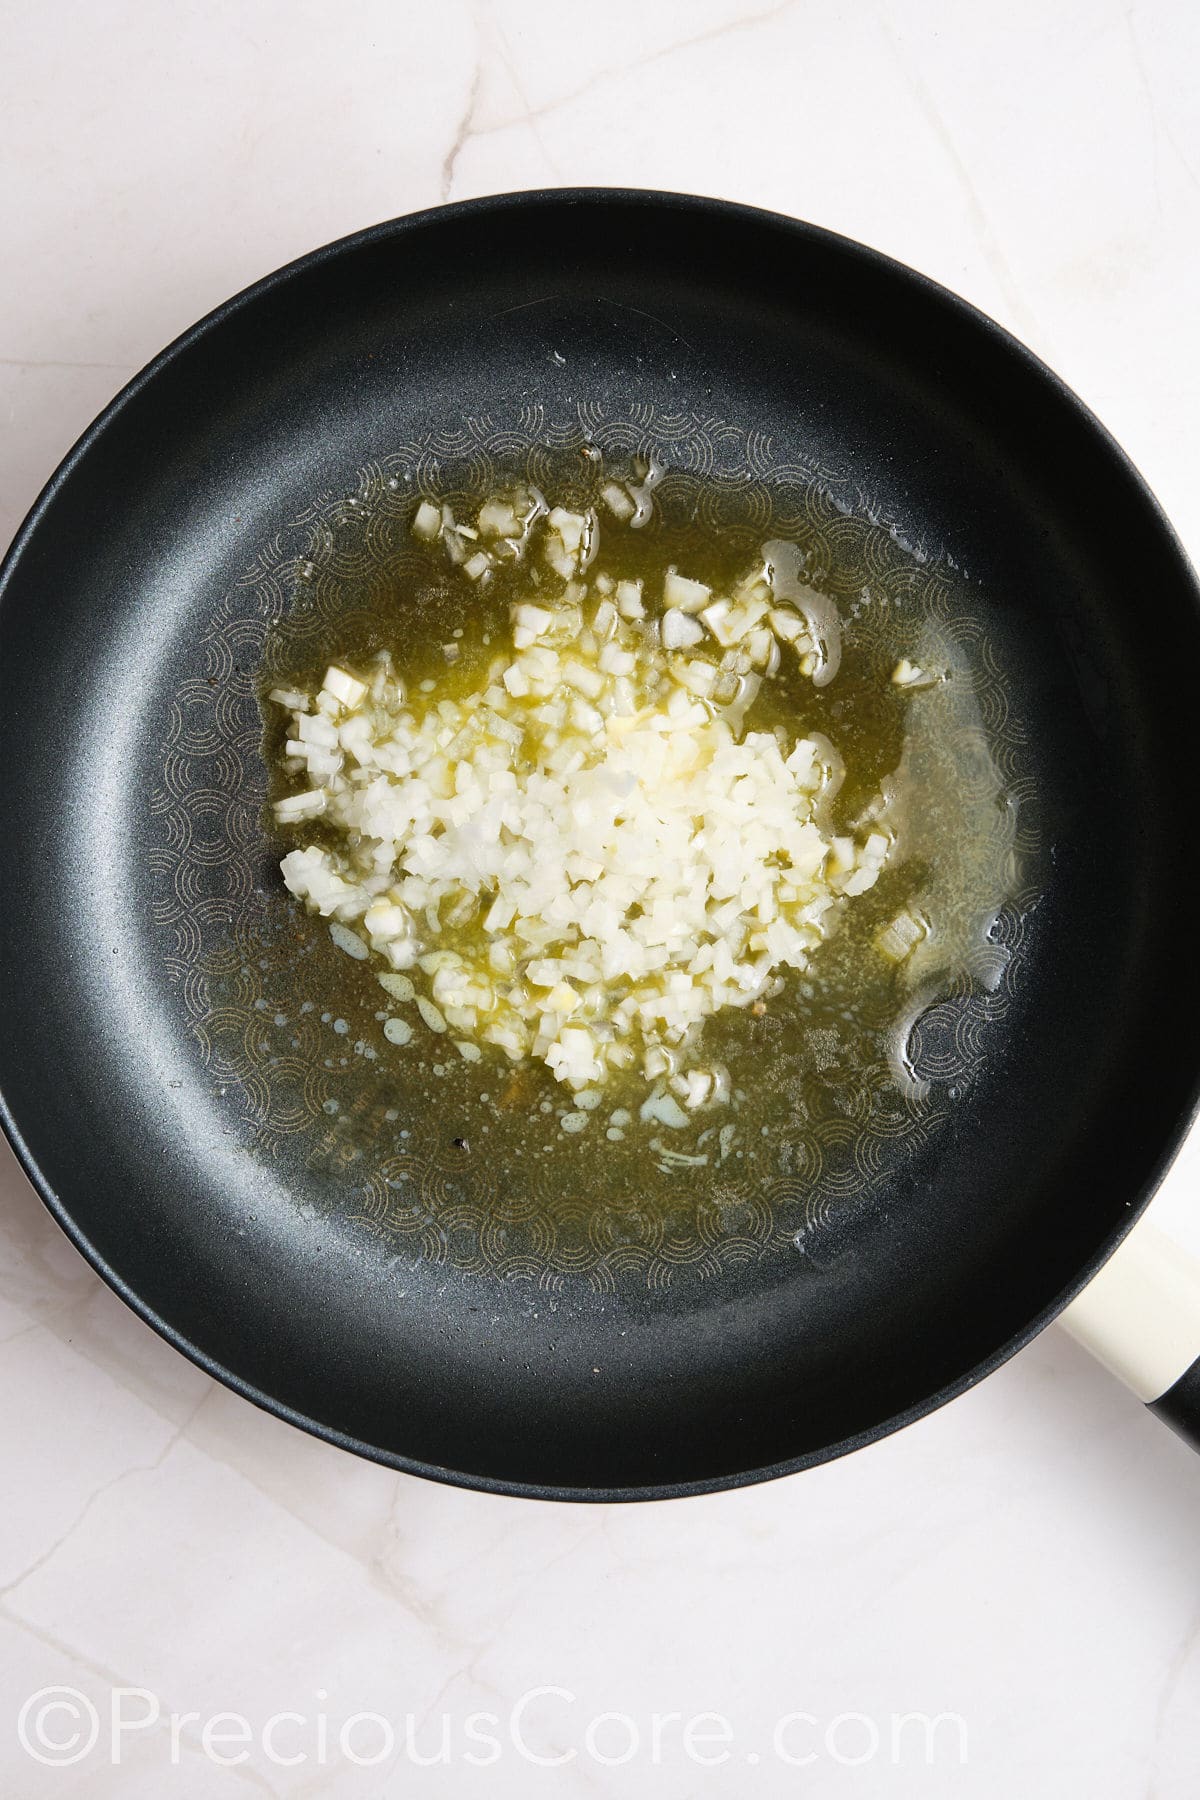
{"type": "Point", "coordinates": [1140, 1316]}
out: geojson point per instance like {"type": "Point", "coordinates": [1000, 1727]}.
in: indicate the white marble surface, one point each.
{"type": "Point", "coordinates": [1028, 1559]}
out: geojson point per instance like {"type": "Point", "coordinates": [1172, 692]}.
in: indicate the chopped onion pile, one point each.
{"type": "Point", "coordinates": [586, 858]}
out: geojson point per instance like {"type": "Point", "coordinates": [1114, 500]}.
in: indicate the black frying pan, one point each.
{"type": "Point", "coordinates": [144, 937]}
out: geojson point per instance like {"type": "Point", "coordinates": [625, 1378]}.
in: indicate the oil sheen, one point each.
{"type": "Point", "coordinates": [837, 1041]}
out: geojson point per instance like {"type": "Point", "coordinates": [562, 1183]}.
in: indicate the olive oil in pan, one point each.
{"type": "Point", "coordinates": [833, 1045]}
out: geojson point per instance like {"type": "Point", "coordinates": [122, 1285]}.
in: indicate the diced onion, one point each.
{"type": "Point", "coordinates": [590, 855]}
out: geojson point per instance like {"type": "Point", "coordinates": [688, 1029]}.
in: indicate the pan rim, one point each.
{"type": "Point", "coordinates": [871, 259]}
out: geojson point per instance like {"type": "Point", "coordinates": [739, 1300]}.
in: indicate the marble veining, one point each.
{"type": "Point", "coordinates": [1026, 1561]}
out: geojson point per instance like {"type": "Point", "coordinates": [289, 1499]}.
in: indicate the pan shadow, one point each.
{"type": "Point", "coordinates": [1060, 1416]}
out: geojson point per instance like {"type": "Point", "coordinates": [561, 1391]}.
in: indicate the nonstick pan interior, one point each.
{"type": "Point", "coordinates": [144, 939]}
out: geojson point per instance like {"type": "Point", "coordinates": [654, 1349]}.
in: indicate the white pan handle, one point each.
{"type": "Point", "coordinates": [1141, 1314]}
